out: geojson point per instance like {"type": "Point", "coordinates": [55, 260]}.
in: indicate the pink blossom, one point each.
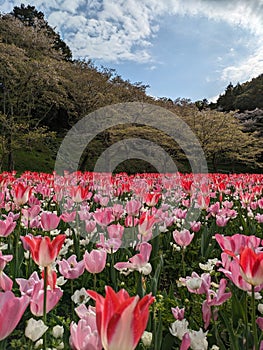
{"type": "Point", "coordinates": [95, 261]}
{"type": "Point", "coordinates": [90, 226]}
{"type": "Point", "coordinates": [183, 238]}
{"type": "Point", "coordinates": [214, 299]}
{"type": "Point", "coordinates": [259, 218]}
{"type": "Point", "coordinates": [7, 227]}
{"type": "Point", "coordinates": [109, 245]}
{"type": "Point", "coordinates": [117, 210]}
{"type": "Point", "coordinates": [83, 337]}
{"type": "Point", "coordinates": [26, 287]}
{"type": "Point", "coordinates": [186, 342]}
{"type": "Point", "coordinates": [221, 221]}
{"type": "Point", "coordinates": [115, 231]}
{"type": "Point", "coordinates": [37, 299]}
{"type": "Point", "coordinates": [178, 313]}
{"type": "Point", "coordinates": [236, 242]}
{"type": "Point", "coordinates": [11, 311]}
{"type": "Point", "coordinates": [197, 284]}
{"type": "Point", "coordinates": [68, 216]}
{"type": "Point", "coordinates": [5, 282]}
{"type": "Point", "coordinates": [195, 226]}
{"type": "Point", "coordinates": [70, 268]}
{"type": "Point", "coordinates": [139, 262]}
{"type": "Point", "coordinates": [145, 225]}
{"type": "Point", "coordinates": [49, 221]}
{"type": "Point", "coordinates": [103, 216]}
{"type": "Point", "coordinates": [133, 207]}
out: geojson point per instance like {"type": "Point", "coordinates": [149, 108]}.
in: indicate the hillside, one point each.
{"type": "Point", "coordinates": [43, 93]}
{"type": "Point", "coordinates": [242, 97]}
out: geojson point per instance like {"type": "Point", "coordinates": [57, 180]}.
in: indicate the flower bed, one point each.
{"type": "Point", "coordinates": [150, 261]}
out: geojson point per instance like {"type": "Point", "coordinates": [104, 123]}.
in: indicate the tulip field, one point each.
{"type": "Point", "coordinates": [92, 261]}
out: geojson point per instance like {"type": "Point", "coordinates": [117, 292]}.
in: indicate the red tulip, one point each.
{"type": "Point", "coordinates": [44, 252]}
{"type": "Point", "coordinates": [121, 319]}
{"type": "Point", "coordinates": [21, 193]}
{"type": "Point", "coordinates": [251, 265]}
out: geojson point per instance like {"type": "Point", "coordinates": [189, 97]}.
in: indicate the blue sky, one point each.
{"type": "Point", "coordinates": [181, 48]}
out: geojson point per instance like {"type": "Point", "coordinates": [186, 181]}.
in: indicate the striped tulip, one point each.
{"type": "Point", "coordinates": [251, 265]}
{"type": "Point", "coordinates": [121, 319]}
{"type": "Point", "coordinates": [43, 250]}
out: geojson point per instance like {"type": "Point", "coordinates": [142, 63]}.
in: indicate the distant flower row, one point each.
{"type": "Point", "coordinates": [149, 261]}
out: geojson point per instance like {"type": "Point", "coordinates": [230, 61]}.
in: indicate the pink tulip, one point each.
{"type": "Point", "coordinates": [197, 284]}
{"type": "Point", "coordinates": [259, 218]}
{"type": "Point", "coordinates": [5, 282]}
{"type": "Point", "coordinates": [83, 337]}
{"type": "Point", "coordinates": [109, 245]}
{"type": "Point", "coordinates": [186, 342]}
{"type": "Point", "coordinates": [11, 311]}
{"type": "Point", "coordinates": [237, 242]}
{"type": "Point", "coordinates": [68, 217]}
{"type": "Point", "coordinates": [88, 314]}
{"type": "Point", "coordinates": [103, 217]}
{"type": "Point", "coordinates": [214, 299]}
{"type": "Point", "coordinates": [221, 220]}
{"type": "Point", "coordinates": [44, 251]}
{"type": "Point", "coordinates": [260, 323]}
{"type": "Point", "coordinates": [117, 210]}
{"type": "Point", "coordinates": [195, 226]}
{"type": "Point", "coordinates": [70, 268]}
{"type": "Point", "coordinates": [178, 313]}
{"type": "Point", "coordinates": [95, 261]}
{"type": "Point", "coordinates": [90, 226]}
{"type": "Point", "coordinates": [121, 319]}
{"type": "Point", "coordinates": [115, 231]}
{"type": "Point", "coordinates": [49, 221]}
{"type": "Point", "coordinates": [145, 225]}
{"type": "Point", "coordinates": [37, 299]}
{"type": "Point", "coordinates": [133, 207]}
{"type": "Point", "coordinates": [7, 226]}
{"type": "Point", "coordinates": [139, 262]}
{"type": "Point", "coordinates": [26, 287]}
{"type": "Point", "coordinates": [31, 212]}
{"type": "Point", "coordinates": [183, 238]}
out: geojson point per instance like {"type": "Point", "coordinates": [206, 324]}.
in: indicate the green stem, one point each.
{"type": "Point", "coordinates": [76, 243]}
{"type": "Point", "coordinates": [72, 303]}
{"type": "Point", "coordinates": [183, 262]}
{"type": "Point", "coordinates": [45, 306]}
{"type": "Point", "coordinates": [253, 320]}
{"type": "Point", "coordinates": [113, 272]}
{"type": "Point", "coordinates": [246, 321]}
{"type": "Point", "coordinates": [3, 344]}
{"type": "Point", "coordinates": [95, 282]}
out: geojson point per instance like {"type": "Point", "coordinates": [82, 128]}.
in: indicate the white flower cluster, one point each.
{"type": "Point", "coordinates": [198, 338]}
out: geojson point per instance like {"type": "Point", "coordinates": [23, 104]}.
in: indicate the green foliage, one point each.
{"type": "Point", "coordinates": [247, 96]}
{"type": "Point", "coordinates": [42, 87]}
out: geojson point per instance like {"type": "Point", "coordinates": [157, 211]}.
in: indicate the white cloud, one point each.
{"type": "Point", "coordinates": [124, 29]}
{"type": "Point", "coordinates": [247, 68]}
